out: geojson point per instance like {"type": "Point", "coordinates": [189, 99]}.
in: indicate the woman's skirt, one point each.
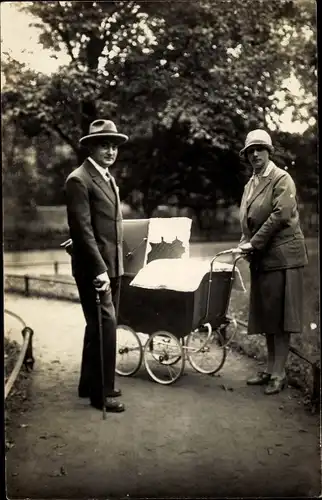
{"type": "Point", "coordinates": [276, 302]}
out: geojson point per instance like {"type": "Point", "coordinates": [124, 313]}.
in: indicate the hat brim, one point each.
{"type": "Point", "coordinates": [256, 143]}
{"type": "Point", "coordinates": [115, 137]}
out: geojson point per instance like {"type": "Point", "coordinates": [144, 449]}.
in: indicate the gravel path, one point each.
{"type": "Point", "coordinates": [203, 436]}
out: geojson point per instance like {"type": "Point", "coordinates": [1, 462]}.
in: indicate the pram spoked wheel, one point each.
{"type": "Point", "coordinates": [228, 330]}
{"type": "Point", "coordinates": [129, 351]}
{"type": "Point", "coordinates": [164, 357]}
{"type": "Point", "coordinates": [206, 357]}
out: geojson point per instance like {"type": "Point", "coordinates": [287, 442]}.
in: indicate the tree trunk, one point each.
{"type": "Point", "coordinates": [14, 143]}
{"type": "Point", "coordinates": [198, 214]}
{"type": "Point", "coordinates": [149, 205]}
{"type": "Point", "coordinates": [82, 154]}
{"type": "Point", "coordinates": [148, 211]}
{"type": "Point", "coordinates": [88, 115]}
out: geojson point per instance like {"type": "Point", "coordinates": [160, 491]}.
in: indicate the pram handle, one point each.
{"type": "Point", "coordinates": [131, 252]}
{"type": "Point", "coordinates": [224, 252]}
{"type": "Point", "coordinates": [230, 251]}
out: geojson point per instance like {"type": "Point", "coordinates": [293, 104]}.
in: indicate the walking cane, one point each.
{"type": "Point", "coordinates": [100, 331]}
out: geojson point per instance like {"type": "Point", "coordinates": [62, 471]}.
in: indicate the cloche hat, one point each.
{"type": "Point", "coordinates": [257, 137]}
{"type": "Point", "coordinates": [103, 129]}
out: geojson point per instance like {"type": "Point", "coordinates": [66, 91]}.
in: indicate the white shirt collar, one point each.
{"type": "Point", "coordinates": [103, 171]}
{"type": "Point", "coordinates": [268, 169]}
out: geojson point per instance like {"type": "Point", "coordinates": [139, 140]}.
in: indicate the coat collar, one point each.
{"type": "Point", "coordinates": [103, 171]}
{"type": "Point", "coordinates": [265, 179]}
{"type": "Point", "coordinates": [105, 186]}
{"type": "Point", "coordinates": [268, 169]}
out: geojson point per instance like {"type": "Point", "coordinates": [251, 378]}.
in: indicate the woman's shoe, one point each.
{"type": "Point", "coordinates": [275, 385]}
{"type": "Point", "coordinates": [261, 378]}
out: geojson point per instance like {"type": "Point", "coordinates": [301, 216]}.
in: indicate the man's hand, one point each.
{"type": "Point", "coordinates": [102, 282]}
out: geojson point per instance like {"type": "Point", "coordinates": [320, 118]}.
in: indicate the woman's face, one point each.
{"type": "Point", "coordinates": [258, 157]}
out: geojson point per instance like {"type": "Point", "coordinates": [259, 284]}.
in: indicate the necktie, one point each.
{"type": "Point", "coordinates": [107, 176]}
{"type": "Point", "coordinates": [116, 192]}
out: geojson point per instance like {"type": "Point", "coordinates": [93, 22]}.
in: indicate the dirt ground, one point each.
{"type": "Point", "coordinates": [201, 437]}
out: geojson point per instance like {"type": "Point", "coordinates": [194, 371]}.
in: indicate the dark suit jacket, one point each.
{"type": "Point", "coordinates": [95, 222]}
{"type": "Point", "coordinates": [270, 222]}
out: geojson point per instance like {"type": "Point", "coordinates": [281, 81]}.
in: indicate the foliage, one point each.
{"type": "Point", "coordinates": [299, 154]}
{"type": "Point", "coordinates": [168, 169]}
{"type": "Point", "coordinates": [219, 63]}
{"type": "Point", "coordinates": [54, 162]}
{"type": "Point", "coordinates": [91, 33]}
{"type": "Point", "coordinates": [19, 179]}
{"type": "Point", "coordinates": [186, 80]}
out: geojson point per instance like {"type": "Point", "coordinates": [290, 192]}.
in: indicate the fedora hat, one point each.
{"type": "Point", "coordinates": [257, 137]}
{"type": "Point", "coordinates": [103, 129]}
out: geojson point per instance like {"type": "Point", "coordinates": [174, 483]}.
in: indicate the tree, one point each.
{"type": "Point", "coordinates": [18, 175]}
{"type": "Point", "coordinates": [220, 66]}
{"type": "Point", "coordinates": [93, 34]}
{"type": "Point", "coordinates": [222, 62]}
{"type": "Point", "coordinates": [184, 79]}
{"type": "Point", "coordinates": [299, 154]}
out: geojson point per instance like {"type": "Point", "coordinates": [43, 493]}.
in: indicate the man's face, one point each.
{"type": "Point", "coordinates": [104, 153]}
{"type": "Point", "coordinates": [258, 157]}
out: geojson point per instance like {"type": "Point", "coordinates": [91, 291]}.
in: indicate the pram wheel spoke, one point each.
{"type": "Point", "coordinates": [210, 357]}
{"type": "Point", "coordinates": [202, 336]}
{"type": "Point", "coordinates": [129, 351]}
{"type": "Point", "coordinates": [164, 358]}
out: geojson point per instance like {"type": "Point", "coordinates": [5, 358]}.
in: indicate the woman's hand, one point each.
{"type": "Point", "coordinates": [246, 247]}
{"type": "Point", "coordinates": [246, 250]}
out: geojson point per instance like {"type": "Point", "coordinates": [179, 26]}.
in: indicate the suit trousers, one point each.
{"type": "Point", "coordinates": [91, 377]}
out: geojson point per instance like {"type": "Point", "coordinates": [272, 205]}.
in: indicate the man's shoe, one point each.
{"type": "Point", "coordinates": [275, 385]}
{"type": "Point", "coordinates": [110, 405]}
{"type": "Point", "coordinates": [116, 393]}
{"type": "Point", "coordinates": [83, 393]}
{"type": "Point", "coordinates": [261, 378]}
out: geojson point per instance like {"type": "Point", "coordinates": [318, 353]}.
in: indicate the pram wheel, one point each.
{"type": "Point", "coordinates": [164, 358]}
{"type": "Point", "coordinates": [129, 351]}
{"type": "Point", "coordinates": [210, 358]}
{"type": "Point", "coordinates": [228, 330]}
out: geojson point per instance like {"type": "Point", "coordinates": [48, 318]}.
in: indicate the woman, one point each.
{"type": "Point", "coordinates": [272, 237]}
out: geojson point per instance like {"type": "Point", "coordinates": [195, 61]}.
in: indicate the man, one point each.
{"type": "Point", "coordinates": [95, 224]}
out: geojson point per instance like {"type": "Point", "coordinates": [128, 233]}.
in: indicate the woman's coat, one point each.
{"type": "Point", "coordinates": [270, 222]}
